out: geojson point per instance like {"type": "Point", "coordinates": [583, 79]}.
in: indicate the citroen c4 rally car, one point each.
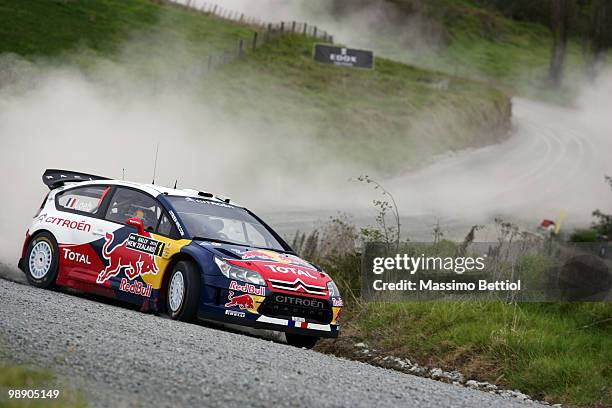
{"type": "Point", "coordinates": [188, 253]}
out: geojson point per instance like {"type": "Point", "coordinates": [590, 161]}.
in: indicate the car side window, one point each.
{"type": "Point", "coordinates": [165, 226]}
{"type": "Point", "coordinates": [82, 199]}
{"type": "Point", "coordinates": [127, 203]}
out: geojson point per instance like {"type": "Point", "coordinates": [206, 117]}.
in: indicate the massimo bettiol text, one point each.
{"type": "Point", "coordinates": [401, 272]}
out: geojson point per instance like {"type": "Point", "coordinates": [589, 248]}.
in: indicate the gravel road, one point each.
{"type": "Point", "coordinates": [121, 357]}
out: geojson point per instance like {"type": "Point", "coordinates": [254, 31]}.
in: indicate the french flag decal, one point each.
{"type": "Point", "coordinates": [71, 202]}
{"type": "Point", "coordinates": [301, 325]}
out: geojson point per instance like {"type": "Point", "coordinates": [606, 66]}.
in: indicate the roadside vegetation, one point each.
{"type": "Point", "coordinates": [559, 352]}
{"type": "Point", "coordinates": [600, 230]}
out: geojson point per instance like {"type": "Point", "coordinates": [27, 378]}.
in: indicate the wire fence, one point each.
{"type": "Point", "coordinates": [263, 32]}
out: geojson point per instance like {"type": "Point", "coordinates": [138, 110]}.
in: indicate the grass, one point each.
{"type": "Point", "coordinates": [560, 352]}
{"type": "Point", "coordinates": [22, 377]}
{"type": "Point", "coordinates": [54, 27]}
{"type": "Point", "coordinates": [388, 119]}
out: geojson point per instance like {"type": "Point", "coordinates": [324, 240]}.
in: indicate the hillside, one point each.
{"type": "Point", "coordinates": [48, 28]}
{"type": "Point", "coordinates": [476, 39]}
{"type": "Point", "coordinates": [385, 115]}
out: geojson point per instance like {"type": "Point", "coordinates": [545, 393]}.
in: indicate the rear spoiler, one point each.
{"type": "Point", "coordinates": [56, 178]}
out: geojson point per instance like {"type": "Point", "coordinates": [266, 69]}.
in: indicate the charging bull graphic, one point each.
{"type": "Point", "coordinates": [124, 257]}
{"type": "Point", "coordinates": [242, 301]}
{"type": "Point", "coordinates": [266, 255]}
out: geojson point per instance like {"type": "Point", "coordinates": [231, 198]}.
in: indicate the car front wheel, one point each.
{"type": "Point", "coordinates": [183, 291]}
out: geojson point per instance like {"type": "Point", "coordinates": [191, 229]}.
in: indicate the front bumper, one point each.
{"type": "Point", "coordinates": [276, 324]}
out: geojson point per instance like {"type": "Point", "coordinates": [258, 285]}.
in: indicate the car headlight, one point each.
{"type": "Point", "coordinates": [333, 289]}
{"type": "Point", "coordinates": [238, 273]}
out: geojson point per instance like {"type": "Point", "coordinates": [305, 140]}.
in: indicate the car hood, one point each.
{"type": "Point", "coordinates": [283, 272]}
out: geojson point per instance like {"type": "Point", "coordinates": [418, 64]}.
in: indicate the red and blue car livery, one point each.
{"type": "Point", "coordinates": [188, 253]}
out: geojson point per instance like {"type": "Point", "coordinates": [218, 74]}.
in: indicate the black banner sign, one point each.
{"type": "Point", "coordinates": [145, 244]}
{"type": "Point", "coordinates": [345, 57]}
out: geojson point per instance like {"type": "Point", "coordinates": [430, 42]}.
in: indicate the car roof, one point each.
{"type": "Point", "coordinates": [156, 190]}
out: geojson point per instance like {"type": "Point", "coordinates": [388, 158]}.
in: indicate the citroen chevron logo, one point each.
{"type": "Point", "coordinates": [296, 285]}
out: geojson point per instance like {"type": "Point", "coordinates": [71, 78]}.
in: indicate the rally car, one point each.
{"type": "Point", "coordinates": [188, 253]}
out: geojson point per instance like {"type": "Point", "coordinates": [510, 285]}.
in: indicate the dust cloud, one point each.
{"type": "Point", "coordinates": [107, 118]}
{"type": "Point", "coordinates": [553, 164]}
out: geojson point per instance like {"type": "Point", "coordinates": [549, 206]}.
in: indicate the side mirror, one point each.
{"type": "Point", "coordinates": [136, 223]}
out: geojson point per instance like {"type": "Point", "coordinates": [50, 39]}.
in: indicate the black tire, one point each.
{"type": "Point", "coordinates": [301, 341]}
{"type": "Point", "coordinates": [44, 270]}
{"type": "Point", "coordinates": [187, 310]}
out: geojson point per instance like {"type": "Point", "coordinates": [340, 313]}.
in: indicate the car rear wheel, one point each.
{"type": "Point", "coordinates": [298, 340]}
{"type": "Point", "coordinates": [42, 258]}
{"type": "Point", "coordinates": [183, 291]}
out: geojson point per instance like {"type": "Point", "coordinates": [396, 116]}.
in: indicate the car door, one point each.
{"type": "Point", "coordinates": [78, 215]}
{"type": "Point", "coordinates": [129, 249]}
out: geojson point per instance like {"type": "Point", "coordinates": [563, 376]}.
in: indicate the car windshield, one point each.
{"type": "Point", "coordinates": [218, 221]}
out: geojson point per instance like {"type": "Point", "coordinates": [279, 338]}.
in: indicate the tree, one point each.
{"type": "Point", "coordinates": [604, 221]}
{"type": "Point", "coordinates": [600, 32]}
{"type": "Point", "coordinates": [561, 16]}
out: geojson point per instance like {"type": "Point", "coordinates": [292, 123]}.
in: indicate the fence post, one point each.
{"type": "Point", "coordinates": [314, 34]}
{"type": "Point", "coordinates": [254, 40]}
{"type": "Point", "coordinates": [282, 26]}
{"type": "Point", "coordinates": [240, 48]}
{"type": "Point", "coordinates": [293, 27]}
{"type": "Point", "coordinates": [305, 28]}
{"type": "Point", "coordinates": [214, 10]}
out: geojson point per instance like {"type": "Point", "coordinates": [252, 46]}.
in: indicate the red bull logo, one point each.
{"type": "Point", "coordinates": [124, 258]}
{"type": "Point", "coordinates": [242, 301]}
{"type": "Point", "coordinates": [248, 288]}
{"type": "Point", "coordinates": [137, 288]}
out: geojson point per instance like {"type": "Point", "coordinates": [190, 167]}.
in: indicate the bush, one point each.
{"type": "Point", "coordinates": [588, 235]}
